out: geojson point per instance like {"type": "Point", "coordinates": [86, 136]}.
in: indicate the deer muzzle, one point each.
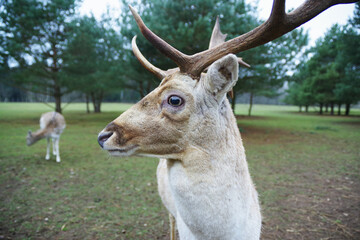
{"type": "Point", "coordinates": [115, 140]}
{"type": "Point", "coordinates": [103, 137]}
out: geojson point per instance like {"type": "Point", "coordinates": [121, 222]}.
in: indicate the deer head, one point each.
{"type": "Point", "coordinates": [30, 139]}
{"type": "Point", "coordinates": [179, 114]}
{"type": "Point", "coordinates": [34, 137]}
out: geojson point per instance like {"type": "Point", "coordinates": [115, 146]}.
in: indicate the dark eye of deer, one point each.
{"type": "Point", "coordinates": [175, 101]}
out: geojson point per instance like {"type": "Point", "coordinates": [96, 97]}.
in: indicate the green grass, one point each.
{"type": "Point", "coordinates": [293, 158]}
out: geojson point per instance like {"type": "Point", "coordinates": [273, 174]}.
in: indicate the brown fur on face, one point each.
{"type": "Point", "coordinates": [152, 125]}
{"type": "Point", "coordinates": [123, 137]}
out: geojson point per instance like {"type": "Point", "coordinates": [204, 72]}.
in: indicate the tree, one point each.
{"type": "Point", "coordinates": [93, 59]}
{"type": "Point", "coordinates": [355, 21]}
{"type": "Point", "coordinates": [331, 75]}
{"type": "Point", "coordinates": [300, 90]}
{"type": "Point", "coordinates": [347, 89]}
{"type": "Point", "coordinates": [315, 79]}
{"type": "Point", "coordinates": [295, 96]}
{"type": "Point", "coordinates": [34, 34]}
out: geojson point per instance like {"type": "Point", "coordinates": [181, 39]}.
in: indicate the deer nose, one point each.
{"type": "Point", "coordinates": [103, 137]}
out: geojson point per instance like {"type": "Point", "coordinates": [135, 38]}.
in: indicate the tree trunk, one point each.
{"type": "Point", "coordinates": [97, 100]}
{"type": "Point", "coordinates": [97, 108]}
{"type": "Point", "coordinates": [321, 108]}
{"type": "Point", "coordinates": [300, 108]}
{"type": "Point", "coordinates": [87, 103]}
{"type": "Point", "coordinates": [339, 109]}
{"type": "Point", "coordinates": [57, 96]}
{"type": "Point", "coordinates": [250, 104]}
{"type": "Point", "coordinates": [307, 108]}
{"type": "Point", "coordinates": [332, 108]}
{"type": "Point", "coordinates": [347, 109]}
{"type": "Point", "coordinates": [54, 70]}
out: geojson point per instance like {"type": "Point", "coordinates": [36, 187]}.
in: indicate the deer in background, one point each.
{"type": "Point", "coordinates": [187, 122]}
{"type": "Point", "coordinates": [52, 124]}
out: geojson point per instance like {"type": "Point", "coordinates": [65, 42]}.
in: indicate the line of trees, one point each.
{"type": "Point", "coordinates": [47, 48]}
{"type": "Point", "coordinates": [330, 77]}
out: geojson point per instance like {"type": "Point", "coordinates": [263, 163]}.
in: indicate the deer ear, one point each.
{"type": "Point", "coordinates": [222, 76]}
{"type": "Point", "coordinates": [29, 132]}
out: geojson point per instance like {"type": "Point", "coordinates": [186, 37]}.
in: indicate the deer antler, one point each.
{"type": "Point", "coordinates": [278, 24]}
{"type": "Point", "coordinates": [151, 68]}
{"type": "Point", "coordinates": [217, 38]}
{"type": "Point", "coordinates": [178, 57]}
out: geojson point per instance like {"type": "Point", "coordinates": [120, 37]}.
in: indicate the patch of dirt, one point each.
{"type": "Point", "coordinates": [350, 123]}
{"type": "Point", "coordinates": [330, 210]}
{"type": "Point", "coordinates": [259, 136]}
{"type": "Point", "coordinates": [246, 117]}
{"type": "Point", "coordinates": [325, 114]}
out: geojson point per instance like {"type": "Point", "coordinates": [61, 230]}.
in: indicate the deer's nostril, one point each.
{"type": "Point", "coordinates": [103, 137]}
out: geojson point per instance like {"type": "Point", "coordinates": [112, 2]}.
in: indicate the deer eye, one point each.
{"type": "Point", "coordinates": [175, 101]}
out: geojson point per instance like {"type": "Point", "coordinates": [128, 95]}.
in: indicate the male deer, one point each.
{"type": "Point", "coordinates": [187, 122]}
{"type": "Point", "coordinates": [52, 124]}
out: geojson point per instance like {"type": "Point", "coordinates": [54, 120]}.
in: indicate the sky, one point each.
{"type": "Point", "coordinates": [316, 26]}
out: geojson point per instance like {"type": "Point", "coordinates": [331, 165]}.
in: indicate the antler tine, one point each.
{"type": "Point", "coordinates": [242, 63]}
{"type": "Point", "coordinates": [156, 71]}
{"type": "Point", "coordinates": [217, 38]}
{"type": "Point", "coordinates": [278, 10]}
{"type": "Point", "coordinates": [181, 59]}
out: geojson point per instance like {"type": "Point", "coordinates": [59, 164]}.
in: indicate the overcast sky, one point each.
{"type": "Point", "coordinates": [316, 27]}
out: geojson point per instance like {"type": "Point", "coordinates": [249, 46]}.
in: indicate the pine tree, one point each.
{"type": "Point", "coordinates": [33, 36]}
{"type": "Point", "coordinates": [92, 59]}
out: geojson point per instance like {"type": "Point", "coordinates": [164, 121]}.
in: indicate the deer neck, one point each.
{"type": "Point", "coordinates": [219, 144]}
{"type": "Point", "coordinates": [212, 180]}
{"type": "Point", "coordinates": [40, 134]}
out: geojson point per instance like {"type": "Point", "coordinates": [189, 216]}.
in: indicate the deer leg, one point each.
{"type": "Point", "coordinates": [47, 157]}
{"type": "Point", "coordinates": [57, 150]}
{"type": "Point", "coordinates": [54, 146]}
{"type": "Point", "coordinates": [172, 227]}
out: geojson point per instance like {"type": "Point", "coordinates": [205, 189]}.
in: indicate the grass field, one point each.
{"type": "Point", "coordinates": [306, 168]}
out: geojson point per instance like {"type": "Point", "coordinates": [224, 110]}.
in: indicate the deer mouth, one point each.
{"type": "Point", "coordinates": [122, 152]}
